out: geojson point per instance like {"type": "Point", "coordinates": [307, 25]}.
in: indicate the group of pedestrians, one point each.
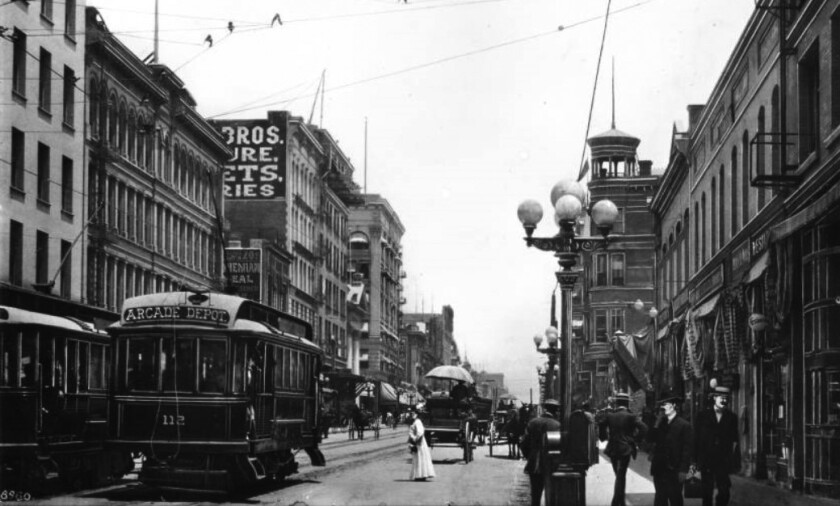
{"type": "Point", "coordinates": [710, 447]}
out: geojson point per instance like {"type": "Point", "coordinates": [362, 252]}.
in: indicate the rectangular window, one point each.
{"type": "Point", "coordinates": [69, 96]}
{"type": "Point", "coordinates": [43, 172]}
{"type": "Point", "coordinates": [98, 370]}
{"type": "Point", "coordinates": [601, 330]}
{"type": "Point", "coordinates": [616, 320]}
{"type": "Point", "coordinates": [47, 9]}
{"type": "Point", "coordinates": [809, 92]}
{"type": "Point", "coordinates": [67, 185]}
{"type": "Point", "coordinates": [66, 268]}
{"type": "Point", "coordinates": [19, 64]}
{"type": "Point", "coordinates": [617, 269]}
{"type": "Point", "coordinates": [16, 253]}
{"type": "Point", "coordinates": [211, 375]}
{"type": "Point", "coordinates": [42, 257]}
{"type": "Point", "coordinates": [9, 346]}
{"type": "Point", "coordinates": [140, 372]}
{"type": "Point", "coordinates": [45, 81]}
{"type": "Point", "coordinates": [18, 159]}
{"type": "Point", "coordinates": [600, 269]}
{"type": "Point", "coordinates": [70, 18]}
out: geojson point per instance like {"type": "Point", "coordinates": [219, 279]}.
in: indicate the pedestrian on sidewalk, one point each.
{"type": "Point", "coordinates": [672, 438]}
{"type": "Point", "coordinates": [421, 455]}
{"type": "Point", "coordinates": [716, 447]}
{"type": "Point", "coordinates": [532, 446]}
{"type": "Point", "coordinates": [620, 428]}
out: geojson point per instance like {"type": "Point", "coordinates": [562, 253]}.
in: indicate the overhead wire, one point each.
{"type": "Point", "coordinates": [439, 60]}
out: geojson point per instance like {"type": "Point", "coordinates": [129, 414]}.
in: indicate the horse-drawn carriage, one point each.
{"type": "Point", "coordinates": [447, 423]}
{"type": "Point", "coordinates": [507, 428]}
{"type": "Point", "coordinates": [483, 410]}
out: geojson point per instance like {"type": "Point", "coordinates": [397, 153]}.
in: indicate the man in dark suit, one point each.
{"type": "Point", "coordinates": [716, 447]}
{"type": "Point", "coordinates": [621, 428]}
{"type": "Point", "coordinates": [532, 441]}
{"type": "Point", "coordinates": [672, 453]}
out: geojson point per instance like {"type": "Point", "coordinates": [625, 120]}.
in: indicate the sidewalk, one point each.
{"type": "Point", "coordinates": [640, 491]}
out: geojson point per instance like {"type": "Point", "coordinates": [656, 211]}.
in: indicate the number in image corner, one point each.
{"type": "Point", "coordinates": [14, 496]}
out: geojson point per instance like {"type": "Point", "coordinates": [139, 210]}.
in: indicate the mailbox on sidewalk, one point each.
{"type": "Point", "coordinates": [570, 454]}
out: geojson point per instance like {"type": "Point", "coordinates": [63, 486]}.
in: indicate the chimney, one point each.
{"type": "Point", "coordinates": [694, 112]}
{"type": "Point", "coordinates": [645, 167]}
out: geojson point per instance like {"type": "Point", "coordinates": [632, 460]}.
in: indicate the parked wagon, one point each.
{"type": "Point", "coordinates": [447, 423]}
{"type": "Point", "coordinates": [483, 412]}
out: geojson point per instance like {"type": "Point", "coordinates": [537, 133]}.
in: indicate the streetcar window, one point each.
{"type": "Point", "coordinates": [72, 366]}
{"type": "Point", "coordinates": [28, 350]}
{"type": "Point", "coordinates": [178, 365]}
{"type": "Point", "coordinates": [84, 361]}
{"type": "Point", "coordinates": [9, 361]}
{"type": "Point", "coordinates": [295, 369]}
{"type": "Point", "coordinates": [278, 367]}
{"type": "Point", "coordinates": [269, 367]}
{"type": "Point", "coordinates": [287, 368]}
{"type": "Point", "coordinates": [141, 366]}
{"type": "Point", "coordinates": [212, 372]}
{"type": "Point", "coordinates": [239, 364]}
{"type": "Point", "coordinates": [97, 367]}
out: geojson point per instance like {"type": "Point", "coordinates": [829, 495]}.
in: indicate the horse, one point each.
{"type": "Point", "coordinates": [513, 430]}
{"type": "Point", "coordinates": [361, 418]}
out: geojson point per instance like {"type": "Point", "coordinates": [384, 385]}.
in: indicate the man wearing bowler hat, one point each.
{"type": "Point", "coordinates": [621, 428]}
{"type": "Point", "coordinates": [671, 454]}
{"type": "Point", "coordinates": [716, 446]}
{"type": "Point", "coordinates": [532, 442]}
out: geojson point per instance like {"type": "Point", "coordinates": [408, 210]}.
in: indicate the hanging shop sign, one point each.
{"type": "Point", "coordinates": [712, 282]}
{"type": "Point", "coordinates": [740, 257]}
{"type": "Point", "coordinates": [759, 243]}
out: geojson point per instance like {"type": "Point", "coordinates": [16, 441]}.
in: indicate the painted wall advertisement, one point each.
{"type": "Point", "coordinates": [257, 169]}
{"type": "Point", "coordinates": [244, 266]}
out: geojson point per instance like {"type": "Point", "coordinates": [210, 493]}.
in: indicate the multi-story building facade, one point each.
{"type": "Point", "coordinates": [42, 158]}
{"type": "Point", "coordinates": [375, 233]}
{"type": "Point", "coordinates": [429, 342]}
{"type": "Point", "coordinates": [153, 177]}
{"type": "Point", "coordinates": [748, 257]}
{"type": "Point", "coordinates": [615, 278]}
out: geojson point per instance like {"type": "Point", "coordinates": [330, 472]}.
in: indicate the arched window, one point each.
{"type": "Point", "coordinates": [112, 120]}
{"type": "Point", "coordinates": [132, 134]}
{"type": "Point", "coordinates": [93, 114]}
{"type": "Point", "coordinates": [713, 215]}
{"type": "Point", "coordinates": [759, 155]}
{"type": "Point", "coordinates": [733, 187]}
{"type": "Point", "coordinates": [122, 131]}
{"type": "Point", "coordinates": [696, 236]}
{"type": "Point", "coordinates": [141, 140]}
{"type": "Point", "coordinates": [745, 179]}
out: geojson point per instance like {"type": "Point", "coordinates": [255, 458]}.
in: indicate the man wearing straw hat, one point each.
{"type": "Point", "coordinates": [621, 428]}
{"type": "Point", "coordinates": [671, 454]}
{"type": "Point", "coordinates": [716, 446]}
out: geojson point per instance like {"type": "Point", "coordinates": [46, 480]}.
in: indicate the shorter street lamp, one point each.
{"type": "Point", "coordinates": [552, 351]}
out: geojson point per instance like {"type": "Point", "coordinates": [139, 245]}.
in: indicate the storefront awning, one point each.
{"type": "Point", "coordinates": [663, 332]}
{"type": "Point", "coordinates": [387, 393]}
{"type": "Point", "coordinates": [818, 208]}
{"type": "Point", "coordinates": [706, 307]}
{"type": "Point", "coordinates": [758, 268]}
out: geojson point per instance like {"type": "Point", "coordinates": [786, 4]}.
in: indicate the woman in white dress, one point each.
{"type": "Point", "coordinates": [421, 460]}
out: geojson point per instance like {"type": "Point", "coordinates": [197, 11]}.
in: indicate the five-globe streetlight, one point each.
{"type": "Point", "coordinates": [567, 199]}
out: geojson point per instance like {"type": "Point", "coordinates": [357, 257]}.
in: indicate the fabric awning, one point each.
{"type": "Point", "coordinates": [663, 332]}
{"type": "Point", "coordinates": [706, 307]}
{"type": "Point", "coordinates": [758, 268]}
{"type": "Point", "coordinates": [818, 208]}
{"type": "Point", "coordinates": [355, 292]}
{"type": "Point", "coordinates": [387, 393]}
{"type": "Point", "coordinates": [630, 365]}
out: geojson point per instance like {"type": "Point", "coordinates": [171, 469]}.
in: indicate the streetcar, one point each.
{"type": "Point", "coordinates": [54, 374]}
{"type": "Point", "coordinates": [214, 391]}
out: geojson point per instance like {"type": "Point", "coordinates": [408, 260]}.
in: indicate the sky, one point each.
{"type": "Point", "coordinates": [471, 107]}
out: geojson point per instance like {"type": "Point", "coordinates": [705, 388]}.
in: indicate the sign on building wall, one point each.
{"type": "Point", "coordinates": [257, 169]}
{"type": "Point", "coordinates": [244, 266]}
